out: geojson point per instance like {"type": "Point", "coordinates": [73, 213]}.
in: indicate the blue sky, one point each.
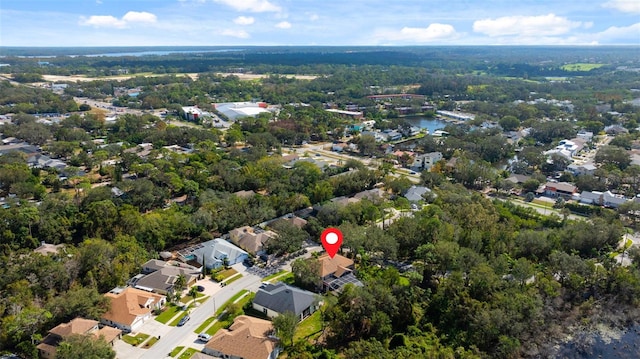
{"type": "Point", "coordinates": [318, 22]}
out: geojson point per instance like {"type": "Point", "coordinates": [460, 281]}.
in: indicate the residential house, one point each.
{"type": "Point", "coordinates": [425, 161]}
{"type": "Point", "coordinates": [251, 239]}
{"type": "Point", "coordinates": [292, 220]}
{"type": "Point", "coordinates": [23, 147]}
{"type": "Point", "coordinates": [336, 272]}
{"type": "Point", "coordinates": [160, 276]}
{"type": "Point", "coordinates": [558, 189]}
{"type": "Point", "coordinates": [582, 169]}
{"type": "Point", "coordinates": [591, 197]}
{"type": "Point", "coordinates": [47, 249]}
{"type": "Point", "coordinates": [416, 193]}
{"type": "Point", "coordinates": [279, 298]}
{"type": "Point", "coordinates": [615, 130]}
{"type": "Point", "coordinates": [517, 178]}
{"type": "Point", "coordinates": [612, 200]}
{"type": "Point", "coordinates": [338, 147]}
{"type": "Point", "coordinates": [130, 307]}
{"type": "Point", "coordinates": [246, 338]}
{"type": "Point", "coordinates": [211, 254]}
{"type": "Point", "coordinates": [78, 326]}
{"type": "Point", "coordinates": [374, 194]}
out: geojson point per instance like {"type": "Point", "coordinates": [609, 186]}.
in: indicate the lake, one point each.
{"type": "Point", "coordinates": [430, 124]}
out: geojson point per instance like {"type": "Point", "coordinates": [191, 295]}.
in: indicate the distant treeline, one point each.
{"type": "Point", "coordinates": [503, 61]}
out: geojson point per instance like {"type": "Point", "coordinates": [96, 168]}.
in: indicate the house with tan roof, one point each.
{"type": "Point", "coordinates": [78, 326]}
{"type": "Point", "coordinates": [130, 308]}
{"type": "Point", "coordinates": [251, 239]}
{"type": "Point", "coordinates": [246, 338]}
{"type": "Point", "coordinates": [336, 272]}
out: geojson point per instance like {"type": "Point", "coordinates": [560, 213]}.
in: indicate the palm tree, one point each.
{"type": "Point", "coordinates": [179, 284]}
{"type": "Point", "coordinates": [193, 292]}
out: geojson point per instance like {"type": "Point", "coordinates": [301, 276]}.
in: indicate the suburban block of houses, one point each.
{"type": "Point", "coordinates": [130, 307]}
{"type": "Point", "coordinates": [279, 298]}
{"type": "Point", "coordinates": [78, 326]}
{"type": "Point", "coordinates": [246, 338]}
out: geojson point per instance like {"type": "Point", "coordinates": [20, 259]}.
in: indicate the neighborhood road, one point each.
{"type": "Point", "coordinates": [171, 337]}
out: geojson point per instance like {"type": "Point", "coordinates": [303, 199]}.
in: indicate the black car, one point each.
{"type": "Point", "coordinates": [200, 288]}
{"type": "Point", "coordinates": [184, 320]}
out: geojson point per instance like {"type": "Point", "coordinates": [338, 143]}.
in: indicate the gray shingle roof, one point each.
{"type": "Point", "coordinates": [283, 298]}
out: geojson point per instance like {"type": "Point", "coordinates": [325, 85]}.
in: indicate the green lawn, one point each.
{"type": "Point", "coordinates": [165, 316]}
{"type": "Point", "coordinates": [150, 342]}
{"type": "Point", "coordinates": [135, 340]}
{"type": "Point", "coordinates": [175, 322]}
{"type": "Point", "coordinates": [204, 324]}
{"type": "Point", "coordinates": [309, 328]}
{"type": "Point", "coordinates": [188, 353]}
{"type": "Point", "coordinates": [269, 277]}
{"type": "Point", "coordinates": [219, 325]}
{"type": "Point", "coordinates": [224, 274]}
{"type": "Point", "coordinates": [226, 322]}
{"type": "Point", "coordinates": [234, 278]}
{"type": "Point", "coordinates": [231, 300]}
{"type": "Point", "coordinates": [175, 351]}
{"type": "Point", "coordinates": [187, 298]}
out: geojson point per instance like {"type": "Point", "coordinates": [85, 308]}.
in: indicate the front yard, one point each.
{"type": "Point", "coordinates": [135, 340]}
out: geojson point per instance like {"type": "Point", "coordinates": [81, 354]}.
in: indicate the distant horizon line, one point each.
{"type": "Point", "coordinates": [232, 46]}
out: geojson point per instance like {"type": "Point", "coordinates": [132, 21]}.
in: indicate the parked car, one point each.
{"type": "Point", "coordinates": [200, 288]}
{"type": "Point", "coordinates": [204, 337]}
{"type": "Point", "coordinates": [184, 320]}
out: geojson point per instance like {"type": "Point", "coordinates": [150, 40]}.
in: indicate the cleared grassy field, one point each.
{"type": "Point", "coordinates": [581, 67]}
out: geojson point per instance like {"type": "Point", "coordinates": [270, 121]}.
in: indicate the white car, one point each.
{"type": "Point", "coordinates": [204, 337]}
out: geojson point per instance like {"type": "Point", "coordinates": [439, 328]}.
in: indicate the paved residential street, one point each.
{"type": "Point", "coordinates": [171, 337]}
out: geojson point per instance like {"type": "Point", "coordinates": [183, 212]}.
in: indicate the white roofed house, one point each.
{"type": "Point", "coordinates": [212, 254]}
{"type": "Point", "coordinates": [425, 161]}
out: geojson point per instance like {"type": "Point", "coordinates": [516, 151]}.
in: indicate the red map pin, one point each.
{"type": "Point", "coordinates": [331, 240]}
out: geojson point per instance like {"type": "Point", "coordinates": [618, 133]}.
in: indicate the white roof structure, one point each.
{"type": "Point", "coordinates": [235, 110]}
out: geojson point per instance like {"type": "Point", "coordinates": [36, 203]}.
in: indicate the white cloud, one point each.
{"type": "Point", "coordinates": [244, 20]}
{"type": "Point", "coordinates": [314, 17]}
{"type": "Point", "coordinates": [138, 17]}
{"type": "Point", "coordinates": [251, 5]}
{"type": "Point", "coordinates": [433, 32]}
{"type": "Point", "coordinates": [283, 25]}
{"type": "Point", "coordinates": [616, 33]}
{"type": "Point", "coordinates": [132, 17]}
{"type": "Point", "coordinates": [632, 6]}
{"type": "Point", "coordinates": [241, 34]}
{"type": "Point", "coordinates": [102, 21]}
{"type": "Point", "coordinates": [543, 25]}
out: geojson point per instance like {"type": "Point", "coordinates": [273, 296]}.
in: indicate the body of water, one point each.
{"type": "Point", "coordinates": [430, 124]}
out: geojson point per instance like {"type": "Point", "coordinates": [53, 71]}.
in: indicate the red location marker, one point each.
{"type": "Point", "coordinates": [331, 241]}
